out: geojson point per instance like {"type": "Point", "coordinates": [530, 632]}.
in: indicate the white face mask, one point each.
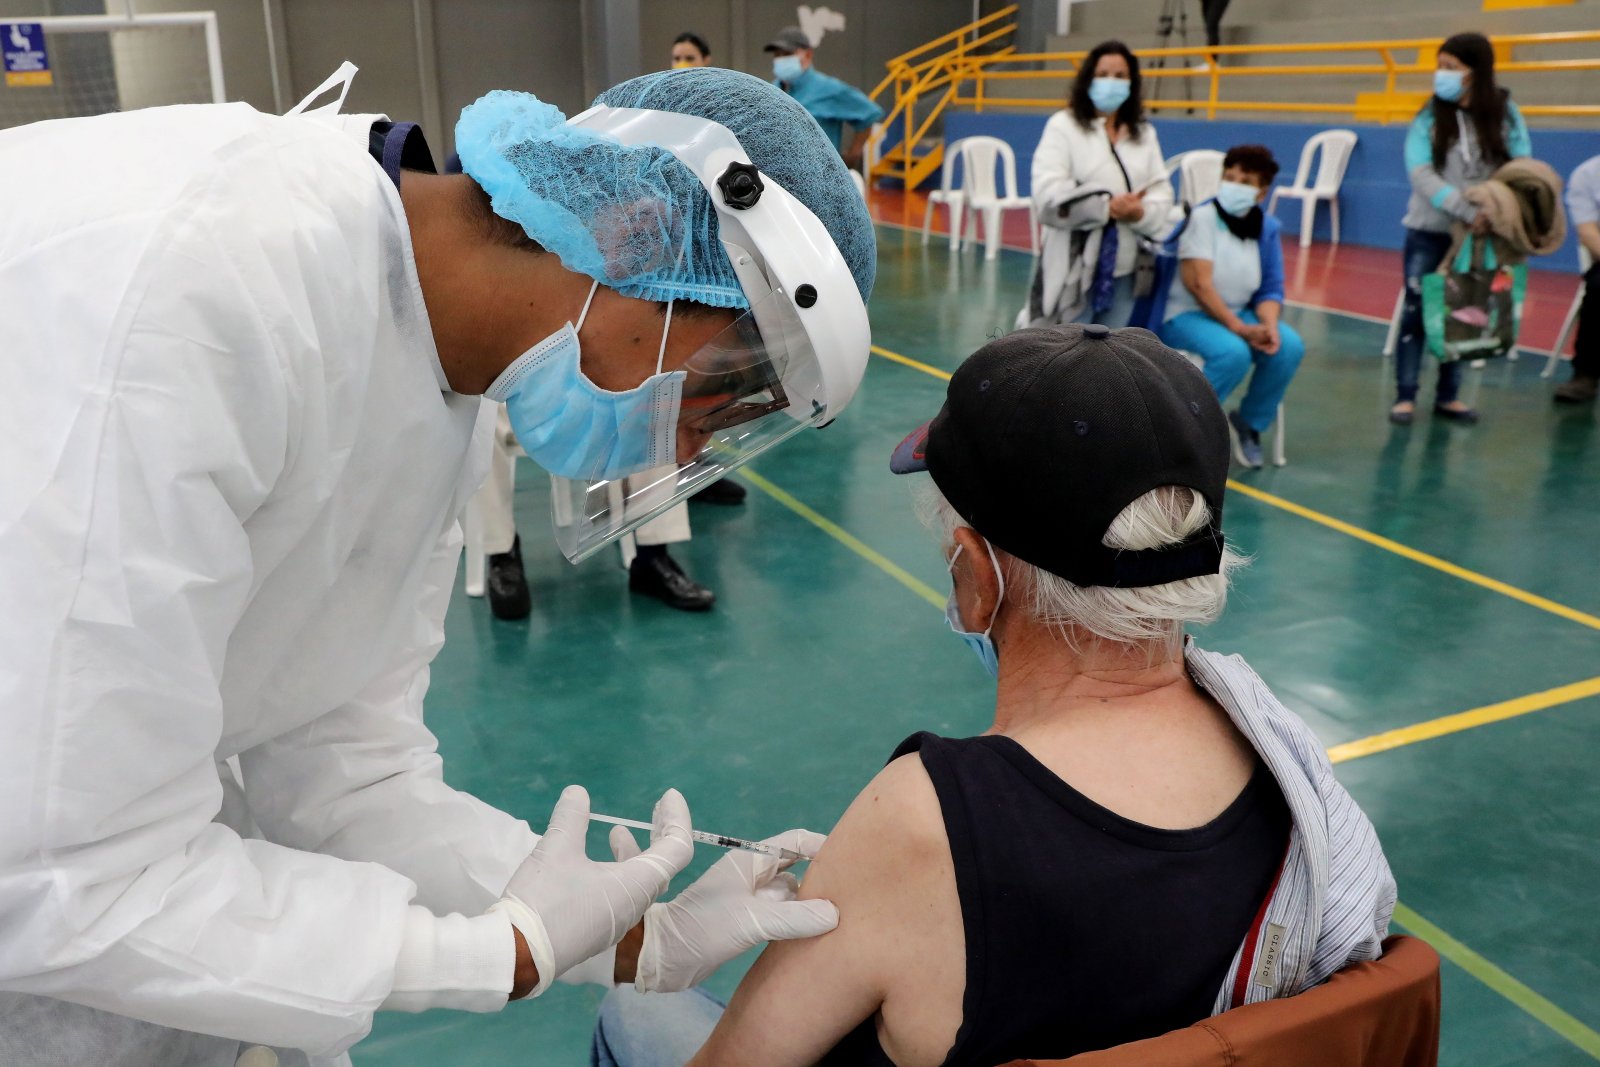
{"type": "Point", "coordinates": [1237, 198]}
{"type": "Point", "coordinates": [572, 427]}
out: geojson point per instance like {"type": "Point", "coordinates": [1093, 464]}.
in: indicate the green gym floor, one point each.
{"type": "Point", "coordinates": [1428, 598]}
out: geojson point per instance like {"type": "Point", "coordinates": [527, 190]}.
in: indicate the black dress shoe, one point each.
{"type": "Point", "coordinates": [658, 574]}
{"type": "Point", "coordinates": [721, 491]}
{"type": "Point", "coordinates": [508, 586]}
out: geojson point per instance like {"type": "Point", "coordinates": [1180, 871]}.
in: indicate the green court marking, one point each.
{"type": "Point", "coordinates": [846, 538]}
{"type": "Point", "coordinates": [1496, 979]}
{"type": "Point", "coordinates": [1499, 981]}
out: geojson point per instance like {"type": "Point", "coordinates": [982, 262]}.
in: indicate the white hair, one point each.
{"type": "Point", "coordinates": [1151, 615]}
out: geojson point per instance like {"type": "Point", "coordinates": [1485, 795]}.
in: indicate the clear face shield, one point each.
{"type": "Point", "coordinates": [792, 360]}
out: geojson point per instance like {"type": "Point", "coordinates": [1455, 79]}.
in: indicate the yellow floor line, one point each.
{"type": "Point", "coordinates": [909, 362]}
{"type": "Point", "coordinates": [1376, 540]}
{"type": "Point", "coordinates": [846, 538]}
{"type": "Point", "coordinates": [1499, 981]}
{"type": "Point", "coordinates": [1464, 720]}
{"type": "Point", "coordinates": [1480, 968]}
{"type": "Point", "coordinates": [1407, 552]}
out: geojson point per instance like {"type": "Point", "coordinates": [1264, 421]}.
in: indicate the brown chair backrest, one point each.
{"type": "Point", "coordinates": [1379, 1014]}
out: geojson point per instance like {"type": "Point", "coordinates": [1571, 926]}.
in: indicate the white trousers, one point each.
{"type": "Point", "coordinates": [494, 500]}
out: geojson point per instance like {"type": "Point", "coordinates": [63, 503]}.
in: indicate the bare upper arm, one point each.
{"type": "Point", "coordinates": [886, 866]}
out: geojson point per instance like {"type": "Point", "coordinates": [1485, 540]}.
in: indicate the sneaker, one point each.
{"type": "Point", "coordinates": [1246, 442]}
{"type": "Point", "coordinates": [1578, 391]}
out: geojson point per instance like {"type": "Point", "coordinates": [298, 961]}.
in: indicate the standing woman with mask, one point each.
{"type": "Point", "coordinates": [1460, 137]}
{"type": "Point", "coordinates": [1099, 185]}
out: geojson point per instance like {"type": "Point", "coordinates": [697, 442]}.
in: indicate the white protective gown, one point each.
{"type": "Point", "coordinates": [230, 471]}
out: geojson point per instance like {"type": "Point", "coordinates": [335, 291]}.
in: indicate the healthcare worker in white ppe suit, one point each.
{"type": "Point", "coordinates": [240, 382]}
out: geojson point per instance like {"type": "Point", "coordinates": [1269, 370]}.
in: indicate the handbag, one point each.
{"type": "Point", "coordinates": [1472, 305]}
{"type": "Point", "coordinates": [1144, 259]}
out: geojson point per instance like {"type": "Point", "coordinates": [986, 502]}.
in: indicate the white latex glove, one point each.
{"type": "Point", "coordinates": [570, 908]}
{"type": "Point", "coordinates": [744, 900]}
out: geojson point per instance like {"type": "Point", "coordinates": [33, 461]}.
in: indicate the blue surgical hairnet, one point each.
{"type": "Point", "coordinates": [634, 218]}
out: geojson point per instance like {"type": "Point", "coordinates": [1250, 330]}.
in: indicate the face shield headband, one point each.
{"type": "Point", "coordinates": [791, 360]}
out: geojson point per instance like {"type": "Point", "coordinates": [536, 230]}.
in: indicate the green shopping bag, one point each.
{"type": "Point", "coordinates": [1472, 306]}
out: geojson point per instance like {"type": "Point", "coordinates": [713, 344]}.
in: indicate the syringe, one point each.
{"type": "Point", "coordinates": [720, 840]}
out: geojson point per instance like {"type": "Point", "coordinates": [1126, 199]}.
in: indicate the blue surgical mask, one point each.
{"type": "Point", "coordinates": [1108, 94]}
{"type": "Point", "coordinates": [982, 644]}
{"type": "Point", "coordinates": [1448, 85]}
{"type": "Point", "coordinates": [572, 427]}
{"type": "Point", "coordinates": [787, 68]}
{"type": "Point", "coordinates": [1237, 198]}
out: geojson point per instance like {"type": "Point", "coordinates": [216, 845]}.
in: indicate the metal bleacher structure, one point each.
{"type": "Point", "coordinates": [979, 66]}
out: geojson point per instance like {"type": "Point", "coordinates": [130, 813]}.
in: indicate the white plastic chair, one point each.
{"type": "Point", "coordinates": [1336, 146]}
{"type": "Point", "coordinates": [1200, 174]}
{"type": "Point", "coordinates": [952, 199]}
{"type": "Point", "coordinates": [1568, 324]}
{"type": "Point", "coordinates": [472, 531]}
{"type": "Point", "coordinates": [984, 198]}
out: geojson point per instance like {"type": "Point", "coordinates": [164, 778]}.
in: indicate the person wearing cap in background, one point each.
{"type": "Point", "coordinates": [236, 443]}
{"type": "Point", "coordinates": [1144, 833]}
{"type": "Point", "coordinates": [831, 102]}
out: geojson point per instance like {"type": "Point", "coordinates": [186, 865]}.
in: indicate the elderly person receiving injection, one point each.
{"type": "Point", "coordinates": [1143, 838]}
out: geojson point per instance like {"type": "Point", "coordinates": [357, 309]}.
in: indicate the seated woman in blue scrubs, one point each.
{"type": "Point", "coordinates": [1226, 301]}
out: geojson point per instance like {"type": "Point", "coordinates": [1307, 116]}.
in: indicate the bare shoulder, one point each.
{"type": "Point", "coordinates": [893, 824]}
{"type": "Point", "coordinates": [886, 866]}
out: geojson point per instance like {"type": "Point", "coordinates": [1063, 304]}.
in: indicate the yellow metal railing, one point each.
{"type": "Point", "coordinates": [962, 68]}
{"type": "Point", "coordinates": [921, 72]}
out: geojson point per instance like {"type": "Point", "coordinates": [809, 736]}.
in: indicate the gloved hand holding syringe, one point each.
{"type": "Point", "coordinates": [720, 840]}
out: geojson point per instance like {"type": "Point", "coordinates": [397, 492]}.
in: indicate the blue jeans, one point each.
{"type": "Point", "coordinates": [1121, 310]}
{"type": "Point", "coordinates": [1423, 253]}
{"type": "Point", "coordinates": [652, 1029]}
{"type": "Point", "coordinates": [1228, 359]}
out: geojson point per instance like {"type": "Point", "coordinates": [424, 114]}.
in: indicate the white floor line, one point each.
{"type": "Point", "coordinates": [1303, 305]}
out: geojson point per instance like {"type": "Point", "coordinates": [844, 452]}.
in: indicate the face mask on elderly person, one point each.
{"type": "Point", "coordinates": [982, 644]}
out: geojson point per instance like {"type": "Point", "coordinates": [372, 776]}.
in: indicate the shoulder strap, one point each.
{"type": "Point", "coordinates": [1118, 158]}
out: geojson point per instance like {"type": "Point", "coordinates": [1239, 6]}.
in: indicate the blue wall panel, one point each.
{"type": "Point", "coordinates": [1372, 201]}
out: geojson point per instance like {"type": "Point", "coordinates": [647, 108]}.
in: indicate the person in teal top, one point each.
{"type": "Point", "coordinates": [832, 103]}
{"type": "Point", "coordinates": [1459, 138]}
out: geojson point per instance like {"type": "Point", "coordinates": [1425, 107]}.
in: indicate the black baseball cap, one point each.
{"type": "Point", "coordinates": [1046, 435]}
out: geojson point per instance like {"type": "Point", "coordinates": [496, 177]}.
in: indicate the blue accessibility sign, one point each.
{"type": "Point", "coordinates": [23, 54]}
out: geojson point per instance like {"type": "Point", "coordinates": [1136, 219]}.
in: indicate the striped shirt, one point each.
{"type": "Point", "coordinates": [1335, 895]}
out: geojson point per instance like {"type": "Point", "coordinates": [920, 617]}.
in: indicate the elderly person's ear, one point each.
{"type": "Point", "coordinates": [977, 583]}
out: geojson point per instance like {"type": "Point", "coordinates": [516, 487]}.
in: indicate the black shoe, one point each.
{"type": "Point", "coordinates": [658, 575]}
{"type": "Point", "coordinates": [508, 586]}
{"type": "Point", "coordinates": [1462, 415]}
{"type": "Point", "coordinates": [721, 491]}
{"type": "Point", "coordinates": [1580, 390]}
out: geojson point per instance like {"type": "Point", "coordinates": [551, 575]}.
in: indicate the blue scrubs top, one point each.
{"type": "Point", "coordinates": [832, 103]}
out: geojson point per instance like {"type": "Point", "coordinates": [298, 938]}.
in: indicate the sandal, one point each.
{"type": "Point", "coordinates": [1402, 413]}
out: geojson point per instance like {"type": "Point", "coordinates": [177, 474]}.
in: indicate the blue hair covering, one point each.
{"type": "Point", "coordinates": [634, 218]}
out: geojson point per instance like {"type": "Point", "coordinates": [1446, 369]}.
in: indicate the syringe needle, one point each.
{"type": "Point", "coordinates": [720, 840]}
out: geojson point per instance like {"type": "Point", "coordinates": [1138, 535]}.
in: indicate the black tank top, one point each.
{"type": "Point", "coordinates": [1084, 929]}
